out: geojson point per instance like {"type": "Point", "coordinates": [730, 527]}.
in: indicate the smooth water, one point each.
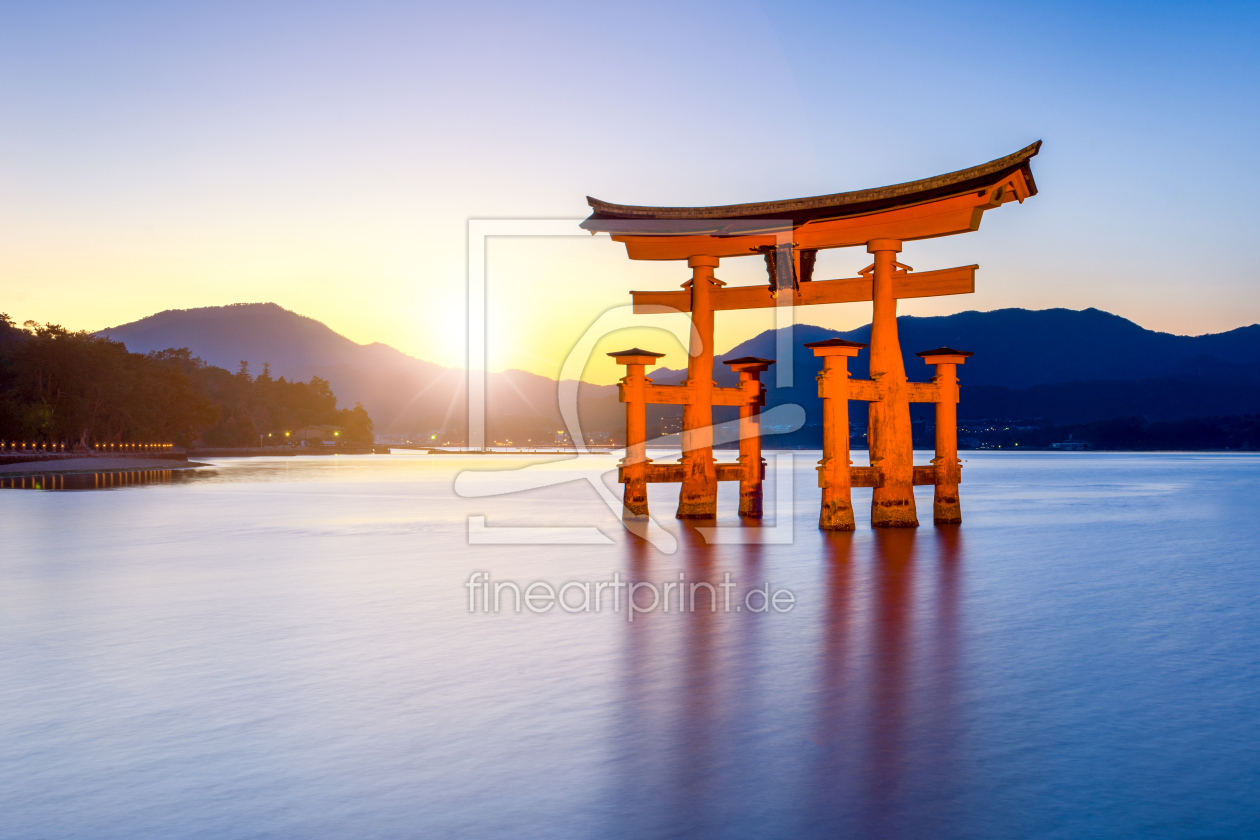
{"type": "Point", "coordinates": [283, 648]}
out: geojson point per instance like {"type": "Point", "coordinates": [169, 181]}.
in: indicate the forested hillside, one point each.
{"type": "Point", "coordinates": [60, 385]}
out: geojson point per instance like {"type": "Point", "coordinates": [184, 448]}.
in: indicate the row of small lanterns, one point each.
{"type": "Point", "coordinates": [44, 446]}
{"type": "Point", "coordinates": [130, 447]}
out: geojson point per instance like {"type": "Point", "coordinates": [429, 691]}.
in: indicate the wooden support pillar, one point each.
{"type": "Point", "coordinates": [946, 509]}
{"type": "Point", "coordinates": [833, 469]}
{"type": "Point", "coordinates": [698, 499]}
{"type": "Point", "coordinates": [750, 369]}
{"type": "Point", "coordinates": [889, 434]}
{"type": "Point", "coordinates": [634, 466]}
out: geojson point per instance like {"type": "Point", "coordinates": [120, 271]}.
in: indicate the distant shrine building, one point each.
{"type": "Point", "coordinates": [788, 235]}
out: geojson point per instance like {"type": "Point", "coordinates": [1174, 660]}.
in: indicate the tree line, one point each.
{"type": "Point", "coordinates": [58, 385]}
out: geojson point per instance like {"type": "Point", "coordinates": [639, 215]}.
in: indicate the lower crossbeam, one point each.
{"type": "Point", "coordinates": [673, 473]}
{"type": "Point", "coordinates": [872, 477]}
{"type": "Point", "coordinates": [858, 476]}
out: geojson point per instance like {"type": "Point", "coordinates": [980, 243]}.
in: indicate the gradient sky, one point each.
{"type": "Point", "coordinates": [328, 156]}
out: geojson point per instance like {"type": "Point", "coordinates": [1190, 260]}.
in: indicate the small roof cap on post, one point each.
{"type": "Point", "coordinates": [635, 356]}
{"type": "Point", "coordinates": [836, 347]}
{"type": "Point", "coordinates": [944, 356]}
{"type": "Point", "coordinates": [748, 363]}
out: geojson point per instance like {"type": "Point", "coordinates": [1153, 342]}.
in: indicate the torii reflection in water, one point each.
{"type": "Point", "coordinates": [840, 721]}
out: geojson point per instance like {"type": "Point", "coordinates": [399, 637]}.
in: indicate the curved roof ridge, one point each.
{"type": "Point", "coordinates": [935, 184]}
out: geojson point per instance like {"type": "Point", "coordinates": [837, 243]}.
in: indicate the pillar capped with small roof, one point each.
{"type": "Point", "coordinates": [944, 356]}
{"type": "Point", "coordinates": [748, 364]}
{"type": "Point", "coordinates": [836, 347]}
{"type": "Point", "coordinates": [635, 356]}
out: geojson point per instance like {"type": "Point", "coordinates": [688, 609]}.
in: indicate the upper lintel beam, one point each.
{"type": "Point", "coordinates": [946, 281]}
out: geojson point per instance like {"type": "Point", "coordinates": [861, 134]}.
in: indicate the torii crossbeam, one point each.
{"type": "Point", "coordinates": [788, 235]}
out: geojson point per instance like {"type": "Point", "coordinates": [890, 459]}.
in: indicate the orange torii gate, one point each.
{"type": "Point", "coordinates": [788, 235]}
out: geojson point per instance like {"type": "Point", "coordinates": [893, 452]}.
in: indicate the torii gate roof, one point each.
{"type": "Point", "coordinates": [939, 206]}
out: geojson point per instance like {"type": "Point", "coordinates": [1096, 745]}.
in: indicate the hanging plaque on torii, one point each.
{"type": "Point", "coordinates": [788, 235]}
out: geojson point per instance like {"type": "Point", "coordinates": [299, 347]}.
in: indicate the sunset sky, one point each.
{"type": "Point", "coordinates": [328, 156]}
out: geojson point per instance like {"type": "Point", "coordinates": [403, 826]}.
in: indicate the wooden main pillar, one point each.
{"type": "Point", "coordinates": [946, 509]}
{"type": "Point", "coordinates": [750, 369]}
{"type": "Point", "coordinates": [889, 434]}
{"type": "Point", "coordinates": [634, 465]}
{"type": "Point", "coordinates": [833, 469]}
{"type": "Point", "coordinates": [698, 499]}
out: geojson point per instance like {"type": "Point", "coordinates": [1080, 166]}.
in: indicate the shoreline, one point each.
{"type": "Point", "coordinates": [96, 464]}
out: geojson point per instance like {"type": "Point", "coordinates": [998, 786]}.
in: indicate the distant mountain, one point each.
{"type": "Point", "coordinates": [1060, 365]}
{"type": "Point", "coordinates": [400, 392]}
{"type": "Point", "coordinates": [254, 332]}
{"type": "Point", "coordinates": [1020, 348]}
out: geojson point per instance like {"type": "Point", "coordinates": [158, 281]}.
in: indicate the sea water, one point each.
{"type": "Point", "coordinates": [284, 648]}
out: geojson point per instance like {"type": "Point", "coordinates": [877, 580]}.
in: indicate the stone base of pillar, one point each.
{"type": "Point", "coordinates": [946, 509]}
{"type": "Point", "coordinates": [634, 502]}
{"type": "Point", "coordinates": [698, 497]}
{"type": "Point", "coordinates": [750, 501]}
{"type": "Point", "coordinates": [696, 509]}
{"type": "Point", "coordinates": [836, 515]}
{"type": "Point", "coordinates": [894, 513]}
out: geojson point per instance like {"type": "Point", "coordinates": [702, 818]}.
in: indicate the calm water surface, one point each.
{"type": "Point", "coordinates": [282, 648]}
